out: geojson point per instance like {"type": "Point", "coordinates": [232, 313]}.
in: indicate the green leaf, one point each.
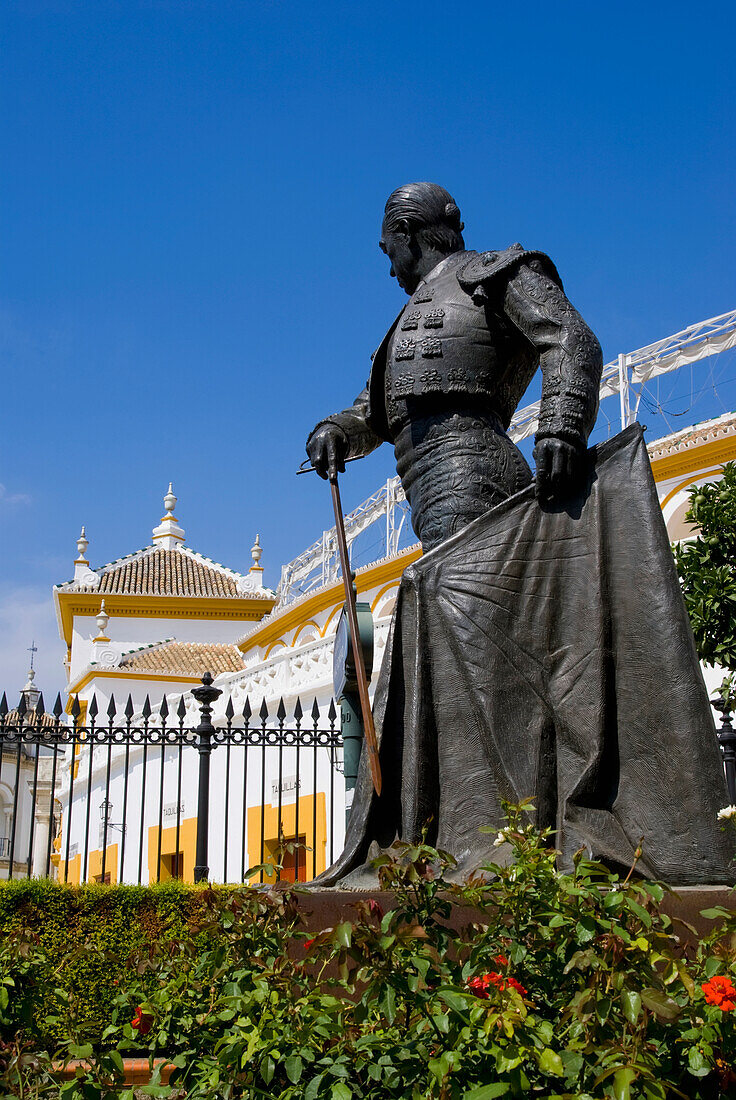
{"type": "Point", "coordinates": [388, 1004]}
{"type": "Point", "coordinates": [293, 1066]}
{"type": "Point", "coordinates": [488, 1092]}
{"type": "Point", "coordinates": [343, 934]}
{"type": "Point", "coordinates": [341, 1091]}
{"type": "Point", "coordinates": [663, 1007]}
{"type": "Point", "coordinates": [697, 1063]}
{"type": "Point", "coordinates": [268, 1068]}
{"type": "Point", "coordinates": [716, 911]}
{"type": "Point", "coordinates": [84, 1051]}
{"type": "Point", "coordinates": [551, 1063]}
{"type": "Point", "coordinates": [622, 1079]}
{"type": "Point", "coordinates": [312, 1089]}
{"type": "Point", "coordinates": [631, 1003]}
{"type": "Point", "coordinates": [117, 1060]}
{"type": "Point", "coordinates": [456, 1001]}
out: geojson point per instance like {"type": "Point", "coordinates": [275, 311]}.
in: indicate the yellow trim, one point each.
{"type": "Point", "coordinates": [689, 480]}
{"type": "Point", "coordinates": [334, 614]}
{"type": "Point", "coordinates": [187, 845]}
{"type": "Point", "coordinates": [280, 644]}
{"type": "Point", "coordinates": [292, 616]}
{"type": "Point", "coordinates": [111, 863]}
{"type": "Point", "coordinates": [696, 458]}
{"type": "Point", "coordinates": [386, 588]}
{"type": "Point", "coordinates": [127, 674]}
{"type": "Point", "coordinates": [120, 604]}
{"type": "Point", "coordinates": [272, 833]}
{"type": "Point", "coordinates": [309, 622]}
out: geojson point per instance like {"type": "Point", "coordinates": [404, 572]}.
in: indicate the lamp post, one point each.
{"type": "Point", "coordinates": [205, 696]}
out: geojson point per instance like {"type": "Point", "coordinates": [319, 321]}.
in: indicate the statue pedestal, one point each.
{"type": "Point", "coordinates": [324, 908]}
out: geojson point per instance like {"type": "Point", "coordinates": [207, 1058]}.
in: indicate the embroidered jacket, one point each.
{"type": "Point", "coordinates": [477, 327]}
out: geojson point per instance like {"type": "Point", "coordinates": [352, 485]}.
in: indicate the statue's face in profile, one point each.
{"type": "Point", "coordinates": [403, 257]}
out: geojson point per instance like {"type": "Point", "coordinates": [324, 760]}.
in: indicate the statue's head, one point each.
{"type": "Point", "coordinates": [421, 224]}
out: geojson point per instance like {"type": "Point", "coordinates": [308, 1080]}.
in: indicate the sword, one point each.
{"type": "Point", "coordinates": [369, 729]}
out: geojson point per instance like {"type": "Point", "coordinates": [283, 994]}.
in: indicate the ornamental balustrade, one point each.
{"type": "Point", "coordinates": [146, 797]}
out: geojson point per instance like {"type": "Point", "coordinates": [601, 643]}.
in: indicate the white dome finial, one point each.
{"type": "Point", "coordinates": [102, 620]}
{"type": "Point", "coordinates": [170, 500]}
{"type": "Point", "coordinates": [256, 550]}
{"type": "Point", "coordinates": [169, 534]}
{"type": "Point", "coordinates": [82, 544]}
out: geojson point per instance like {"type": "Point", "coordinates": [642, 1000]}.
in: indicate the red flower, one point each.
{"type": "Point", "coordinates": [720, 991]}
{"type": "Point", "coordinates": [374, 908]}
{"type": "Point", "coordinates": [480, 985]}
{"type": "Point", "coordinates": [501, 960]}
{"type": "Point", "coordinates": [142, 1022]}
{"type": "Point", "coordinates": [308, 944]}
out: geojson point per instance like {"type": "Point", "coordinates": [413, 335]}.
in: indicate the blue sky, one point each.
{"type": "Point", "coordinates": [190, 211]}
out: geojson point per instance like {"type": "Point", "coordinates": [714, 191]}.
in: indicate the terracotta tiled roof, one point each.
{"type": "Point", "coordinates": [167, 573]}
{"type": "Point", "coordinates": [184, 658]}
{"type": "Point", "coordinates": [154, 571]}
{"type": "Point", "coordinates": [30, 719]}
{"type": "Point", "coordinates": [708, 431]}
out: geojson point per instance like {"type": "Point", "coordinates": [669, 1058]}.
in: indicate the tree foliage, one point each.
{"type": "Point", "coordinates": [707, 569]}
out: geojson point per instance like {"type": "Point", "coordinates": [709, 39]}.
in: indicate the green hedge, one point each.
{"type": "Point", "coordinates": [88, 935]}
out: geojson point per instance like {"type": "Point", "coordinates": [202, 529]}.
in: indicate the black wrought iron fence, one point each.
{"type": "Point", "coordinates": [147, 797]}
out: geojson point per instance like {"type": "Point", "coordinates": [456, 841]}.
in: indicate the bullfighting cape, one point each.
{"type": "Point", "coordinates": [547, 652]}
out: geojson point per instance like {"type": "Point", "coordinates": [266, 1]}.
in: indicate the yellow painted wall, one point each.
{"type": "Point", "coordinates": [74, 870]}
{"type": "Point", "coordinates": [187, 845]}
{"type": "Point", "coordinates": [272, 834]}
{"type": "Point", "coordinates": [111, 863]}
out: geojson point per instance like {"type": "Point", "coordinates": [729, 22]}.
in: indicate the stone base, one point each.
{"type": "Point", "coordinates": [324, 907]}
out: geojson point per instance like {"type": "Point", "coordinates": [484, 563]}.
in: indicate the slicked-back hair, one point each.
{"type": "Point", "coordinates": [430, 212]}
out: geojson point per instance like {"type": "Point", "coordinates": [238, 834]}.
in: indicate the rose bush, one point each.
{"type": "Point", "coordinates": [557, 986]}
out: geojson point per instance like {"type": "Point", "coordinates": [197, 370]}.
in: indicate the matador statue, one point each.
{"type": "Point", "coordinates": [522, 658]}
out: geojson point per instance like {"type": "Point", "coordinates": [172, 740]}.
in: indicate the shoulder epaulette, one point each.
{"type": "Point", "coordinates": [485, 266]}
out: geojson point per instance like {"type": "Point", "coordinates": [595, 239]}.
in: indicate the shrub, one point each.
{"type": "Point", "coordinates": [560, 986]}
{"type": "Point", "coordinates": [707, 568]}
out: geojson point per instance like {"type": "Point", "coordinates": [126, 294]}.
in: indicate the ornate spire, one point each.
{"type": "Point", "coordinates": [82, 544]}
{"type": "Point", "coordinates": [256, 553]}
{"type": "Point", "coordinates": [30, 692]}
{"type": "Point", "coordinates": [82, 573]}
{"type": "Point", "coordinates": [169, 534]}
{"type": "Point", "coordinates": [102, 620]}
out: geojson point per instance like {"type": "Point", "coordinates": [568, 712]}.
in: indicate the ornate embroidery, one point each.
{"type": "Point", "coordinates": [577, 389]}
{"type": "Point", "coordinates": [411, 321]}
{"type": "Point", "coordinates": [423, 295]}
{"type": "Point", "coordinates": [434, 318]}
{"type": "Point", "coordinates": [403, 385]}
{"type": "Point", "coordinates": [457, 377]}
{"type": "Point", "coordinates": [391, 408]}
{"type": "Point", "coordinates": [431, 378]}
{"type": "Point", "coordinates": [431, 348]}
{"type": "Point", "coordinates": [404, 349]}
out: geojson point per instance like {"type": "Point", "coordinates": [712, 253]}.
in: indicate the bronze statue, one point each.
{"type": "Point", "coordinates": [451, 370]}
{"type": "Point", "coordinates": [521, 659]}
